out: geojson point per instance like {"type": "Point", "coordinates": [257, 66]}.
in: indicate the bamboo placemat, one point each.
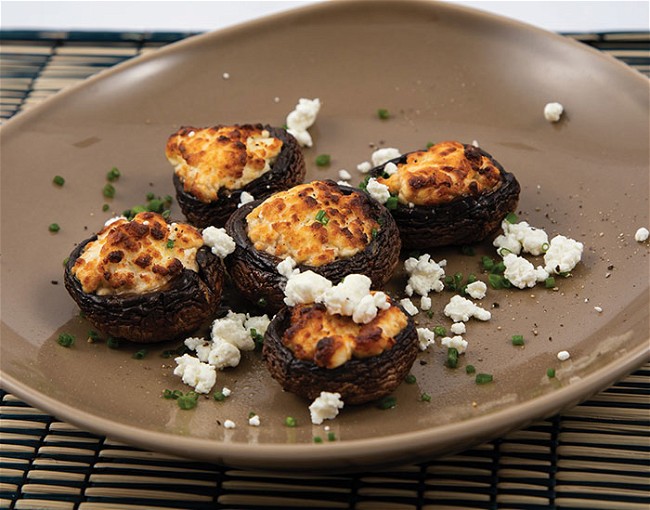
{"type": "Point", "coordinates": [595, 456]}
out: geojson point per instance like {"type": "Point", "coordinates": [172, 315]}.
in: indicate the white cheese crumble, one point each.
{"type": "Point", "coordinates": [219, 241]}
{"type": "Point", "coordinates": [426, 338]}
{"type": "Point", "coordinates": [325, 407]}
{"type": "Point", "coordinates": [245, 198]}
{"type": "Point", "coordinates": [521, 273]}
{"type": "Point", "coordinates": [457, 342]}
{"type": "Point", "coordinates": [345, 175]}
{"type": "Point", "coordinates": [408, 305]}
{"type": "Point", "coordinates": [461, 309]}
{"type": "Point", "coordinates": [476, 290]}
{"type": "Point", "coordinates": [195, 373]}
{"type": "Point", "coordinates": [352, 297]}
{"type": "Point", "coordinates": [287, 268]}
{"type": "Point", "coordinates": [553, 111]}
{"type": "Point", "coordinates": [521, 236]}
{"type": "Point", "coordinates": [302, 118]}
{"type": "Point", "coordinates": [641, 235]}
{"type": "Point", "coordinates": [425, 303]}
{"type": "Point", "coordinates": [458, 328]}
{"type": "Point", "coordinates": [226, 392]}
{"type": "Point", "coordinates": [307, 287]}
{"type": "Point", "coordinates": [563, 355]}
{"type": "Point", "coordinates": [563, 255]}
{"type": "Point", "coordinates": [390, 168]}
{"type": "Point", "coordinates": [229, 424]}
{"type": "Point", "coordinates": [599, 309]}
{"type": "Point", "coordinates": [381, 156]}
{"type": "Point", "coordinates": [254, 421]}
{"type": "Point", "coordinates": [364, 167]}
{"type": "Point", "coordinates": [377, 190]}
{"type": "Point", "coordinates": [425, 275]}
{"type": "Point", "coordinates": [223, 354]}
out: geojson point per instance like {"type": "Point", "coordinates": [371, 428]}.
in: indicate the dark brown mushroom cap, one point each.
{"type": "Point", "coordinates": [177, 309]}
{"type": "Point", "coordinates": [287, 171]}
{"type": "Point", "coordinates": [357, 380]}
{"type": "Point", "coordinates": [255, 274]}
{"type": "Point", "coordinates": [466, 220]}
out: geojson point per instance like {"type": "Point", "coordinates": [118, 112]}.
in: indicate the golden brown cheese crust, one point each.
{"type": "Point", "coordinates": [137, 256]}
{"type": "Point", "coordinates": [209, 159]}
{"type": "Point", "coordinates": [287, 224]}
{"type": "Point", "coordinates": [444, 172]}
{"type": "Point", "coordinates": [331, 340]}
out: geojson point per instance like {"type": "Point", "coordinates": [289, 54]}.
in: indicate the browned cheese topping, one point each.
{"type": "Point", "coordinates": [313, 223]}
{"type": "Point", "coordinates": [331, 340]}
{"type": "Point", "coordinates": [442, 173]}
{"type": "Point", "coordinates": [137, 256]}
{"type": "Point", "coordinates": [209, 159]}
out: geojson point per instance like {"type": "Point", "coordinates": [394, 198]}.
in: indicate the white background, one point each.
{"type": "Point", "coordinates": [562, 16]}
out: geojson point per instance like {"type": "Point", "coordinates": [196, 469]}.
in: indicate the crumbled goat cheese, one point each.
{"type": "Point", "coordinates": [377, 190]}
{"type": "Point", "coordinates": [507, 244]}
{"type": "Point", "coordinates": [254, 421]}
{"type": "Point", "coordinates": [425, 275]}
{"type": "Point", "coordinates": [563, 355]}
{"type": "Point", "coordinates": [226, 392]}
{"type": "Point", "coordinates": [599, 309]}
{"type": "Point", "coordinates": [426, 338]}
{"type": "Point", "coordinates": [476, 290]}
{"type": "Point", "coordinates": [219, 241]}
{"type": "Point", "coordinates": [521, 273]}
{"type": "Point", "coordinates": [641, 235]}
{"type": "Point", "coordinates": [553, 111]}
{"type": "Point", "coordinates": [223, 354]}
{"type": "Point", "coordinates": [231, 329]}
{"type": "Point", "coordinates": [200, 346]}
{"type": "Point", "coordinates": [461, 309]}
{"type": "Point", "coordinates": [381, 156]}
{"type": "Point", "coordinates": [351, 297]}
{"type": "Point", "coordinates": [364, 167]}
{"type": "Point", "coordinates": [226, 76]}
{"type": "Point", "coordinates": [257, 322]}
{"type": "Point", "coordinates": [229, 424]}
{"type": "Point", "coordinates": [302, 118]}
{"type": "Point", "coordinates": [287, 268]}
{"type": "Point", "coordinates": [367, 308]}
{"type": "Point", "coordinates": [390, 168]}
{"type": "Point", "coordinates": [458, 328]}
{"type": "Point", "coordinates": [425, 303]}
{"type": "Point", "coordinates": [408, 305]}
{"type": "Point", "coordinates": [325, 407]}
{"type": "Point", "coordinates": [343, 183]}
{"type": "Point", "coordinates": [563, 255]}
{"type": "Point", "coordinates": [518, 236]}
{"type": "Point", "coordinates": [457, 342]}
{"type": "Point", "coordinates": [307, 287]}
{"type": "Point", "coordinates": [195, 373]}
{"type": "Point", "coordinates": [244, 198]}
{"type": "Point", "coordinates": [345, 175]}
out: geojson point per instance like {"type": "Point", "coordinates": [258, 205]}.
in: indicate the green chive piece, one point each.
{"type": "Point", "coordinates": [487, 262]}
{"type": "Point", "coordinates": [58, 180]}
{"type": "Point", "coordinates": [323, 160]}
{"type": "Point", "coordinates": [65, 340]}
{"type": "Point", "coordinates": [105, 207]}
{"type": "Point", "coordinates": [410, 379]}
{"type": "Point", "coordinates": [261, 302]}
{"type": "Point", "coordinates": [66, 260]}
{"type": "Point", "coordinates": [168, 199]}
{"type": "Point", "coordinates": [430, 144]}
{"type": "Point", "coordinates": [318, 439]}
{"type": "Point", "coordinates": [290, 421]}
{"type": "Point", "coordinates": [517, 339]}
{"type": "Point", "coordinates": [112, 343]}
{"type": "Point", "coordinates": [549, 283]}
{"type": "Point", "coordinates": [219, 396]}
{"type": "Point", "coordinates": [387, 403]}
{"type": "Point", "coordinates": [188, 401]}
{"type": "Point", "coordinates": [425, 397]}
{"type": "Point", "coordinates": [364, 184]}
{"type": "Point", "coordinates": [140, 354]}
{"type": "Point", "coordinates": [54, 227]}
{"type": "Point", "coordinates": [452, 357]}
{"type": "Point", "coordinates": [321, 217]}
{"type": "Point", "coordinates": [257, 337]}
{"type": "Point", "coordinates": [331, 436]}
{"type": "Point", "coordinates": [155, 205]}
{"type": "Point", "coordinates": [251, 414]}
{"type": "Point", "coordinates": [470, 369]}
{"type": "Point", "coordinates": [440, 331]}
{"type": "Point", "coordinates": [109, 190]}
{"type": "Point", "coordinates": [166, 214]}
{"type": "Point", "coordinates": [383, 113]}
{"type": "Point", "coordinates": [511, 218]}
{"type": "Point", "coordinates": [550, 373]}
{"type": "Point", "coordinates": [498, 268]}
{"type": "Point", "coordinates": [168, 394]}
{"type": "Point", "coordinates": [374, 233]}
{"type": "Point", "coordinates": [497, 281]}
{"type": "Point", "coordinates": [170, 243]}
{"type": "Point", "coordinates": [93, 335]}
{"type": "Point", "coordinates": [430, 314]}
{"type": "Point", "coordinates": [150, 196]}
{"type": "Point", "coordinates": [484, 378]}
{"type": "Point", "coordinates": [391, 203]}
{"type": "Point", "coordinates": [113, 174]}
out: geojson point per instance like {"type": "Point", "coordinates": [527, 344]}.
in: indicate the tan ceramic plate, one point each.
{"type": "Point", "coordinates": [443, 73]}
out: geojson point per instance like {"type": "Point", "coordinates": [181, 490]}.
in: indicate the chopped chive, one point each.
{"type": "Point", "coordinates": [503, 251]}
{"type": "Point", "coordinates": [66, 260]}
{"type": "Point", "coordinates": [425, 397]}
{"type": "Point", "coordinates": [155, 205]}
{"type": "Point", "coordinates": [54, 227]}
{"type": "Point", "coordinates": [374, 232]}
{"type": "Point", "coordinates": [498, 268]}
{"type": "Point", "coordinates": [511, 217]}
{"type": "Point", "coordinates": [387, 403]}
{"type": "Point", "coordinates": [105, 207]}
{"type": "Point", "coordinates": [496, 281]}
{"type": "Point", "coordinates": [170, 243]}
{"type": "Point", "coordinates": [323, 160]}
{"type": "Point", "coordinates": [550, 373]}
{"type": "Point", "coordinates": [257, 337]}
{"type": "Point", "coordinates": [364, 184]}
{"type": "Point", "coordinates": [430, 144]}
{"type": "Point", "coordinates": [65, 340]}
{"type": "Point", "coordinates": [545, 247]}
{"type": "Point", "coordinates": [318, 439]}
{"type": "Point", "coordinates": [321, 217]}
{"type": "Point", "coordinates": [430, 314]}
{"type": "Point", "coordinates": [290, 421]}
{"type": "Point", "coordinates": [166, 214]}
{"type": "Point", "coordinates": [58, 180]}
{"type": "Point", "coordinates": [188, 401]}
{"type": "Point", "coordinates": [261, 302]}
{"type": "Point", "coordinates": [468, 250]}
{"type": "Point", "coordinates": [112, 343]}
{"type": "Point", "coordinates": [168, 199]}
{"type": "Point", "coordinates": [410, 379]}
{"type": "Point", "coordinates": [391, 203]}
{"type": "Point", "coordinates": [150, 196]}
{"type": "Point", "coordinates": [383, 113]}
{"type": "Point", "coordinates": [140, 354]}
{"type": "Point", "coordinates": [440, 331]}
{"type": "Point", "coordinates": [484, 378]}
{"type": "Point", "coordinates": [331, 436]}
{"type": "Point", "coordinates": [549, 283]}
{"type": "Point", "coordinates": [109, 190]}
{"type": "Point", "coordinates": [469, 369]}
{"type": "Point", "coordinates": [251, 414]}
{"type": "Point", "coordinates": [113, 174]}
{"type": "Point", "coordinates": [93, 335]}
{"type": "Point", "coordinates": [452, 357]}
{"type": "Point", "coordinates": [167, 394]}
{"type": "Point", "coordinates": [219, 396]}
{"type": "Point", "coordinates": [517, 340]}
{"type": "Point", "coordinates": [471, 278]}
{"type": "Point", "coordinates": [487, 262]}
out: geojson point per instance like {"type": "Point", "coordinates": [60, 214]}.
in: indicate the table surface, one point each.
{"type": "Point", "coordinates": [596, 455]}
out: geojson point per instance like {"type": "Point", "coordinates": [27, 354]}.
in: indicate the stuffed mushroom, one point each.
{"type": "Point", "coordinates": [218, 168]}
{"type": "Point", "coordinates": [321, 226]}
{"type": "Point", "coordinates": [449, 194]}
{"type": "Point", "coordinates": [145, 280]}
